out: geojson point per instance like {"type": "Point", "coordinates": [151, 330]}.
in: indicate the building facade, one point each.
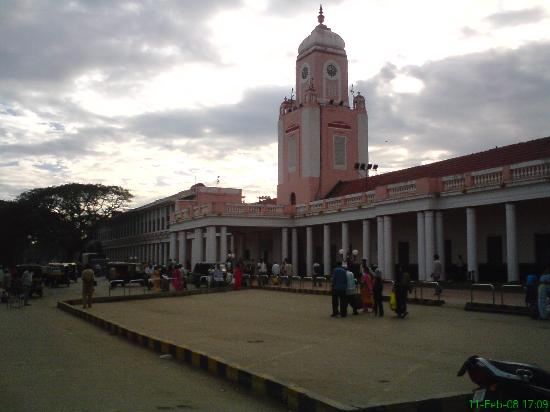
{"type": "Point", "coordinates": [486, 214]}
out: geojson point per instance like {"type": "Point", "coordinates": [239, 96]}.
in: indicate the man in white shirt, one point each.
{"type": "Point", "coordinates": [26, 283]}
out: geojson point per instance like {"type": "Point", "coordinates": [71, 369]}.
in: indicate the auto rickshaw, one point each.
{"type": "Point", "coordinates": [58, 274]}
{"type": "Point", "coordinates": [37, 277]}
{"type": "Point", "coordinates": [123, 272]}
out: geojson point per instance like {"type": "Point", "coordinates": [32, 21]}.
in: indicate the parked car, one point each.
{"type": "Point", "coordinates": [202, 274]}
{"type": "Point", "coordinates": [124, 272]}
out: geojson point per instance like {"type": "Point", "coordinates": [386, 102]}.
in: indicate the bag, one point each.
{"type": "Point", "coordinates": [393, 302]}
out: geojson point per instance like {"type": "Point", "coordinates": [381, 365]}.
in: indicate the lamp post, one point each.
{"type": "Point", "coordinates": [366, 167]}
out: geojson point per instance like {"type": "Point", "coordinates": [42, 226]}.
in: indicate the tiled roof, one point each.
{"type": "Point", "coordinates": [506, 155]}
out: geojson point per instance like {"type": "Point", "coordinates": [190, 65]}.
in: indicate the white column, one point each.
{"type": "Point", "coordinates": [421, 240]}
{"type": "Point", "coordinates": [196, 248]}
{"type": "Point", "coordinates": [345, 238]}
{"type": "Point", "coordinates": [366, 240]}
{"type": "Point", "coordinates": [326, 249]}
{"type": "Point", "coordinates": [511, 243]}
{"type": "Point", "coordinates": [430, 242]}
{"type": "Point", "coordinates": [223, 243]}
{"type": "Point", "coordinates": [173, 246]}
{"type": "Point", "coordinates": [284, 243]}
{"type": "Point", "coordinates": [440, 241]}
{"type": "Point", "coordinates": [388, 247]}
{"type": "Point", "coordinates": [380, 243]}
{"type": "Point", "coordinates": [211, 255]}
{"type": "Point", "coordinates": [309, 251]}
{"type": "Point", "coordinates": [471, 241]}
{"type": "Point", "coordinates": [295, 249]}
{"type": "Point", "coordinates": [183, 248]}
{"type": "Point", "coordinates": [165, 256]}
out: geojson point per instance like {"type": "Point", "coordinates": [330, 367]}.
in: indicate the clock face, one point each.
{"type": "Point", "coordinates": [331, 70]}
{"type": "Point", "coordinates": [305, 72]}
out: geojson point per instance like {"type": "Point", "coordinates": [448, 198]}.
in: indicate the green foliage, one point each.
{"type": "Point", "coordinates": [66, 216]}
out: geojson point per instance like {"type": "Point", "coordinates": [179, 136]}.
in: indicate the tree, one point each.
{"type": "Point", "coordinates": [74, 211]}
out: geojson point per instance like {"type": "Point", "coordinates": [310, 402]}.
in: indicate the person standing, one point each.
{"type": "Point", "coordinates": [87, 286]}
{"type": "Point", "coordinates": [367, 289]}
{"type": "Point", "coordinates": [339, 286]}
{"type": "Point", "coordinates": [351, 292]}
{"type": "Point", "coordinates": [26, 284]}
{"type": "Point", "coordinates": [436, 275]}
{"type": "Point", "coordinates": [217, 275]}
{"type": "Point", "coordinates": [176, 278]}
{"type": "Point", "coordinates": [275, 272]}
{"type": "Point", "coordinates": [262, 272]}
{"type": "Point", "coordinates": [401, 288]}
{"type": "Point", "coordinates": [377, 289]}
{"type": "Point", "coordinates": [288, 272]}
{"type": "Point", "coordinates": [316, 273]}
{"type": "Point", "coordinates": [238, 275]}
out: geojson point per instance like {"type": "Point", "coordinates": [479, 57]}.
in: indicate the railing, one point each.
{"type": "Point", "coordinates": [487, 178]}
{"type": "Point", "coordinates": [353, 199]}
{"type": "Point", "coordinates": [509, 287]}
{"type": "Point", "coordinates": [426, 283]}
{"type": "Point", "coordinates": [402, 189]}
{"type": "Point", "coordinates": [530, 170]}
{"type": "Point", "coordinates": [481, 285]}
{"type": "Point", "coordinates": [451, 183]}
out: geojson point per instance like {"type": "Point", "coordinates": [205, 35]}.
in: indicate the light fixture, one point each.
{"type": "Point", "coordinates": [341, 251]}
{"type": "Point", "coordinates": [375, 167]}
{"type": "Point", "coordinates": [355, 252]}
{"type": "Point", "coordinates": [369, 166]}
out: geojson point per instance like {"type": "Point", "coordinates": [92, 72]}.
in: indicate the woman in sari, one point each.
{"type": "Point", "coordinates": [176, 278]}
{"type": "Point", "coordinates": [238, 275]}
{"type": "Point", "coordinates": [367, 290]}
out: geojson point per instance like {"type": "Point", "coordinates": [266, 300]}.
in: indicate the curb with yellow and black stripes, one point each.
{"type": "Point", "coordinates": [294, 397]}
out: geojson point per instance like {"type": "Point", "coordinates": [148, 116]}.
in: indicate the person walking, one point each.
{"type": "Point", "coordinates": [377, 289]}
{"type": "Point", "coordinates": [26, 284]}
{"type": "Point", "coordinates": [87, 286]}
{"type": "Point", "coordinates": [436, 275]}
{"type": "Point", "coordinates": [262, 272]}
{"type": "Point", "coordinates": [275, 273]}
{"type": "Point", "coordinates": [339, 286]}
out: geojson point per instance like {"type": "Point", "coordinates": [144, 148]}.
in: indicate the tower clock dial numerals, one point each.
{"type": "Point", "coordinates": [305, 72]}
{"type": "Point", "coordinates": [331, 70]}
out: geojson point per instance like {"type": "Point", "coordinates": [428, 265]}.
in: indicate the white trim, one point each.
{"type": "Point", "coordinates": [530, 163]}
{"type": "Point", "coordinates": [486, 171]}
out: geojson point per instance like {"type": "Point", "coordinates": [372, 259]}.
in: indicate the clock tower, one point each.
{"type": "Point", "coordinates": [320, 136]}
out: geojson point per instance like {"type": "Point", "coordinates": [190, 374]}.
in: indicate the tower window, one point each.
{"type": "Point", "coordinates": [292, 153]}
{"type": "Point", "coordinates": [339, 152]}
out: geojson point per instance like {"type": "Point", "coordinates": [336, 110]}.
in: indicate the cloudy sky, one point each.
{"type": "Point", "coordinates": [152, 95]}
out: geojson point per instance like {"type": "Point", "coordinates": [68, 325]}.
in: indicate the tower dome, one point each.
{"type": "Point", "coordinates": [323, 38]}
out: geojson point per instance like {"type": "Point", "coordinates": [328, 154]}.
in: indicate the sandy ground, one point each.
{"type": "Point", "coordinates": [360, 360]}
{"type": "Point", "coordinates": [52, 361]}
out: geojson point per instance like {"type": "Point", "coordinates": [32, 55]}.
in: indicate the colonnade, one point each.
{"type": "Point", "coordinates": [430, 241]}
{"type": "Point", "coordinates": [429, 231]}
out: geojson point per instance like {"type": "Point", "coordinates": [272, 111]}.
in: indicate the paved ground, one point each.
{"type": "Point", "coordinates": [360, 360]}
{"type": "Point", "coordinates": [55, 362]}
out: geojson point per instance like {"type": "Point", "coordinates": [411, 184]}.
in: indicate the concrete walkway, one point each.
{"type": "Point", "coordinates": [53, 362]}
{"type": "Point", "coordinates": [359, 361]}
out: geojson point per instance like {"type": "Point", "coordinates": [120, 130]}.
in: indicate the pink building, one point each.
{"type": "Point", "coordinates": [489, 208]}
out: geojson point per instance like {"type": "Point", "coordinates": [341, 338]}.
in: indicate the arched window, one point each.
{"type": "Point", "coordinates": [293, 198]}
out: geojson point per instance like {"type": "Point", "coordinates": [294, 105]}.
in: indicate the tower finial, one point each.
{"type": "Point", "coordinates": [320, 17]}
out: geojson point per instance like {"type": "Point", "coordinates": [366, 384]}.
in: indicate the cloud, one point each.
{"type": "Point", "coordinates": [516, 17]}
{"type": "Point", "coordinates": [468, 104]}
{"type": "Point", "coordinates": [252, 122]}
{"type": "Point", "coordinates": [55, 40]}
